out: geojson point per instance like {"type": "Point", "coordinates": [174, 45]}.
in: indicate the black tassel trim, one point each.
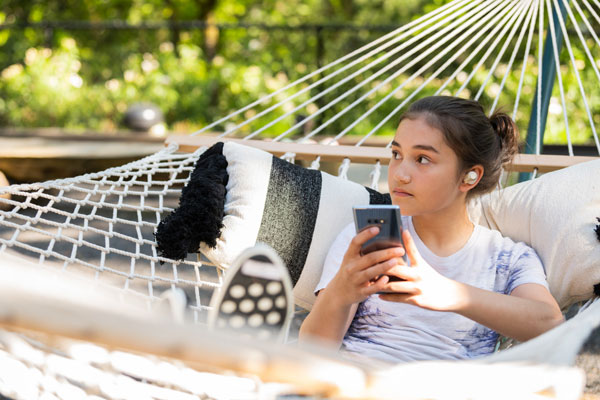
{"type": "Point", "coordinates": [199, 217]}
{"type": "Point", "coordinates": [597, 289]}
{"type": "Point", "coordinates": [378, 198]}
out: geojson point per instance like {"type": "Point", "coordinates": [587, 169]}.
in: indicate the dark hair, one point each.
{"type": "Point", "coordinates": [476, 139]}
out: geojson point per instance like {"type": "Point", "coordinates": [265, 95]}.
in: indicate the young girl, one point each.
{"type": "Point", "coordinates": [465, 284]}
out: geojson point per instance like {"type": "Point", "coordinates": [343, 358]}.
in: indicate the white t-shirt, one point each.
{"type": "Point", "coordinates": [398, 332]}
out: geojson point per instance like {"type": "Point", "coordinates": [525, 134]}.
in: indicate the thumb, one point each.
{"type": "Point", "coordinates": [411, 248]}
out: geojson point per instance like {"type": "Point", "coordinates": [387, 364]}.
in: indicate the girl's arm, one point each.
{"type": "Point", "coordinates": [528, 311]}
{"type": "Point", "coordinates": [358, 278]}
{"type": "Point", "coordinates": [328, 320]}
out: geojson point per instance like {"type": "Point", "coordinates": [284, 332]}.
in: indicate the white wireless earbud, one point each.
{"type": "Point", "coordinates": [471, 178]}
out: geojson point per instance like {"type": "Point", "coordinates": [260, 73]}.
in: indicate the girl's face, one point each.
{"type": "Point", "coordinates": [423, 173]}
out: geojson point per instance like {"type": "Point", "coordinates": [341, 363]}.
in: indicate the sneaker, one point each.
{"type": "Point", "coordinates": [256, 297]}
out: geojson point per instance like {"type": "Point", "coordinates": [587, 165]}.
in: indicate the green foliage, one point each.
{"type": "Point", "coordinates": [86, 78]}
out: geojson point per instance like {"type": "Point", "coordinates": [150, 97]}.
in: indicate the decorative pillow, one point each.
{"type": "Point", "coordinates": [238, 196]}
{"type": "Point", "coordinates": [556, 214]}
{"type": "Point", "coordinates": [199, 217]}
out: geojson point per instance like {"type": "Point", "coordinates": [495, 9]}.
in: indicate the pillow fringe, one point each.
{"type": "Point", "coordinates": [378, 198]}
{"type": "Point", "coordinates": [597, 289]}
{"type": "Point", "coordinates": [199, 217]}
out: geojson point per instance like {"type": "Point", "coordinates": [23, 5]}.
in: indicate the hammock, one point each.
{"type": "Point", "coordinates": [102, 225]}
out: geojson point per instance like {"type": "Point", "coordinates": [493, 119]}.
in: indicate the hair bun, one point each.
{"type": "Point", "coordinates": [502, 124]}
{"type": "Point", "coordinates": [508, 132]}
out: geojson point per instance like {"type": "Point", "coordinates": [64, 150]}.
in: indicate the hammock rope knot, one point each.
{"type": "Point", "coordinates": [316, 164]}
{"type": "Point", "coordinates": [375, 175]}
{"type": "Point", "coordinates": [289, 157]}
{"type": "Point", "coordinates": [343, 171]}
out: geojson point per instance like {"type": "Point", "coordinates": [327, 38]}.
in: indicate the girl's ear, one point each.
{"type": "Point", "coordinates": [471, 178]}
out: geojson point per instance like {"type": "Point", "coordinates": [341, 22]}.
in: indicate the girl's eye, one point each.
{"type": "Point", "coordinates": [395, 155]}
{"type": "Point", "coordinates": [423, 160]}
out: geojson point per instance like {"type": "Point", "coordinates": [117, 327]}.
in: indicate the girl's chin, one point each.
{"type": "Point", "coordinates": [406, 211]}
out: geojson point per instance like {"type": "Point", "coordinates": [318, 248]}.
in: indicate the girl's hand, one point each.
{"type": "Point", "coordinates": [359, 275]}
{"type": "Point", "coordinates": [423, 286]}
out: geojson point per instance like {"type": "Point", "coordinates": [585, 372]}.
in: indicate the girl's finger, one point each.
{"type": "Point", "coordinates": [411, 248]}
{"type": "Point", "coordinates": [377, 285]}
{"type": "Point", "coordinates": [401, 287]}
{"type": "Point", "coordinates": [372, 272]}
{"type": "Point", "coordinates": [397, 297]}
{"type": "Point", "coordinates": [403, 271]}
{"type": "Point", "coordinates": [377, 257]}
{"type": "Point", "coordinates": [361, 238]}
{"type": "Point", "coordinates": [380, 256]}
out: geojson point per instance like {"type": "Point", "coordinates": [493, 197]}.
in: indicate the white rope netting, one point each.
{"type": "Point", "coordinates": [32, 369]}
{"type": "Point", "coordinates": [103, 224]}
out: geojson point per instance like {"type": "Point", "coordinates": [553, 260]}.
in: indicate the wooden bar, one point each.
{"type": "Point", "coordinates": [364, 154]}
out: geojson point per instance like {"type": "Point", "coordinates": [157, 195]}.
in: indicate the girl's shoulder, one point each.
{"type": "Point", "coordinates": [503, 246]}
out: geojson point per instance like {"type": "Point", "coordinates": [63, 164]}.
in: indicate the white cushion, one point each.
{"type": "Point", "coordinates": [556, 215]}
{"type": "Point", "coordinates": [296, 211]}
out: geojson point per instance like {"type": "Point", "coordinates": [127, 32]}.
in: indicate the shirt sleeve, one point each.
{"type": "Point", "coordinates": [334, 258]}
{"type": "Point", "coordinates": [528, 268]}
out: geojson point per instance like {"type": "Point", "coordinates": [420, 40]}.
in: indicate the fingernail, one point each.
{"type": "Point", "coordinates": [373, 230]}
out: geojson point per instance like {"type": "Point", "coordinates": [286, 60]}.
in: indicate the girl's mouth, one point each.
{"type": "Point", "coordinates": [401, 193]}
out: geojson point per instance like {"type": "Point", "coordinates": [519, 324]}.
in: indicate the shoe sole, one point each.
{"type": "Point", "coordinates": [256, 296]}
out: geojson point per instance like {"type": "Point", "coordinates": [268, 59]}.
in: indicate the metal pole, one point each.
{"type": "Point", "coordinates": [548, 78]}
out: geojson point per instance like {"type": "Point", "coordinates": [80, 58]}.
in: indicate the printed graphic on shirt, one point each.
{"type": "Point", "coordinates": [367, 323]}
{"type": "Point", "coordinates": [478, 341]}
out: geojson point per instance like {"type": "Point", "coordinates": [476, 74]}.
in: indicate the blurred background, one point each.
{"type": "Point", "coordinates": [123, 69]}
{"type": "Point", "coordinates": [80, 65]}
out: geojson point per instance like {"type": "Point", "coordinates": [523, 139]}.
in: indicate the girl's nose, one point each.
{"type": "Point", "coordinates": [402, 176]}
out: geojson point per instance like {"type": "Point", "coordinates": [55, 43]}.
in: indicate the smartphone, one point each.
{"type": "Point", "coordinates": [387, 218]}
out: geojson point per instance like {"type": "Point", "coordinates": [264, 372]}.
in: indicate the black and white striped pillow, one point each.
{"type": "Point", "coordinates": [296, 211]}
